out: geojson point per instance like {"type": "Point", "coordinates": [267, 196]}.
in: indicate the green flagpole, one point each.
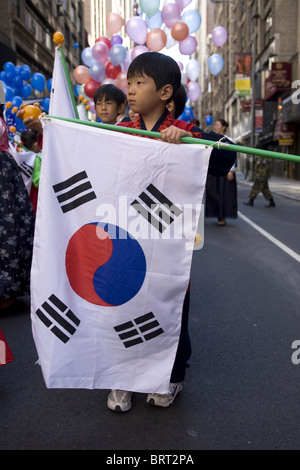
{"type": "Point", "coordinates": [187, 140]}
{"type": "Point", "coordinates": [63, 61]}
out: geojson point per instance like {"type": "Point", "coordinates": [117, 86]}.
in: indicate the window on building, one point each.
{"type": "Point", "coordinates": [18, 8]}
{"type": "Point", "coordinates": [72, 13]}
{"type": "Point", "coordinates": [268, 27]}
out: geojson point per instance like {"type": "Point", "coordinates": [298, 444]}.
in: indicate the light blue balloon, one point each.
{"type": "Point", "coordinates": [97, 72]}
{"type": "Point", "coordinates": [117, 54]}
{"type": "Point", "coordinates": [87, 57]}
{"type": "Point", "coordinates": [215, 63]}
{"type": "Point", "coordinates": [192, 19]}
{"type": "Point", "coordinates": [149, 7]}
{"type": "Point", "coordinates": [155, 22]}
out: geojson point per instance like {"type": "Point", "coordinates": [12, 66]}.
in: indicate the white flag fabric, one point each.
{"type": "Point", "coordinates": [115, 227]}
{"type": "Point", "coordinates": [61, 104]}
{"type": "Point", "coordinates": [25, 161]}
{"type": "Point", "coordinates": [82, 112]}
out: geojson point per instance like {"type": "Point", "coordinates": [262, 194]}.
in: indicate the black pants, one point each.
{"type": "Point", "coordinates": [184, 350]}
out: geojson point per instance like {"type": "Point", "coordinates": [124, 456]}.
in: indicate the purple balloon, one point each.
{"type": "Point", "coordinates": [193, 91]}
{"type": "Point", "coordinates": [138, 50]}
{"type": "Point", "coordinates": [219, 36]}
{"type": "Point", "coordinates": [183, 3]}
{"type": "Point", "coordinates": [188, 45]}
{"type": "Point", "coordinates": [137, 30]}
{"type": "Point", "coordinates": [116, 39]}
{"type": "Point", "coordinates": [170, 14]}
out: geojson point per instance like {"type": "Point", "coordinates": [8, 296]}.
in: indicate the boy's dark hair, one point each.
{"type": "Point", "coordinates": [110, 92]}
{"type": "Point", "coordinates": [29, 138]}
{"type": "Point", "coordinates": [163, 69]}
{"type": "Point", "coordinates": [179, 100]}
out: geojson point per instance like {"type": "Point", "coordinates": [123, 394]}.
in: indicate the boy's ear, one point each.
{"type": "Point", "coordinates": [166, 92]}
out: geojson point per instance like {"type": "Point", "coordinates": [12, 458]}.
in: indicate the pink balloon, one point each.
{"type": "Point", "coordinates": [156, 40]}
{"type": "Point", "coordinates": [138, 50]}
{"type": "Point", "coordinates": [183, 3]}
{"type": "Point", "coordinates": [114, 23]}
{"type": "Point", "coordinates": [136, 29]}
{"type": "Point", "coordinates": [193, 91]}
{"type": "Point", "coordinates": [100, 52]}
{"type": "Point", "coordinates": [188, 45]}
{"type": "Point", "coordinates": [82, 74]}
{"type": "Point", "coordinates": [219, 36]}
{"type": "Point", "coordinates": [170, 14]}
{"type": "Point", "coordinates": [121, 80]}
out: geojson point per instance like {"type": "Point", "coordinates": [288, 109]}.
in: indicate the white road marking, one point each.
{"type": "Point", "coordinates": [270, 237]}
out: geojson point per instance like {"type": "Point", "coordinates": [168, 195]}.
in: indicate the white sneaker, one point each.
{"type": "Point", "coordinates": [119, 400]}
{"type": "Point", "coordinates": [165, 400]}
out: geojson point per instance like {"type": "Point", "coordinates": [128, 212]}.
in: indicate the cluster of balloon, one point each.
{"type": "Point", "coordinates": [107, 61]}
{"type": "Point", "coordinates": [216, 61]}
{"type": "Point", "coordinates": [19, 84]}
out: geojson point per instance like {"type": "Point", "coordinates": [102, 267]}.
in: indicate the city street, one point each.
{"type": "Point", "coordinates": [242, 388]}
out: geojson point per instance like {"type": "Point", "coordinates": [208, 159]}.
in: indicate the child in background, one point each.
{"type": "Point", "coordinates": [110, 104]}
{"type": "Point", "coordinates": [177, 105]}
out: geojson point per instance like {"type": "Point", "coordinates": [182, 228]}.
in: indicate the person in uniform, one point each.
{"type": "Point", "coordinates": [262, 175]}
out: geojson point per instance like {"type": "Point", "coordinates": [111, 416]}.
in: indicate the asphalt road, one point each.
{"type": "Point", "coordinates": [242, 388]}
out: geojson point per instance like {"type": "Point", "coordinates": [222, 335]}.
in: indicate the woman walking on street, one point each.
{"type": "Point", "coordinates": [221, 191]}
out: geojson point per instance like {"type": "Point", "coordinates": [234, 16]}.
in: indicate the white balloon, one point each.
{"type": "Point", "coordinates": [193, 70]}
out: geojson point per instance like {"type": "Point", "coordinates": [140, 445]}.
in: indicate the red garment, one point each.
{"type": "Point", "coordinates": [164, 122]}
{"type": "Point", "coordinates": [5, 353]}
{"type": "Point", "coordinates": [34, 197]}
{"type": "Point", "coordinates": [3, 136]}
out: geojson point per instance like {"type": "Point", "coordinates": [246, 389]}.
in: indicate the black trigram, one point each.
{"type": "Point", "coordinates": [74, 192]}
{"type": "Point", "coordinates": [139, 330]}
{"type": "Point", "coordinates": [66, 322]}
{"type": "Point", "coordinates": [156, 208]}
{"type": "Point", "coordinates": [26, 169]}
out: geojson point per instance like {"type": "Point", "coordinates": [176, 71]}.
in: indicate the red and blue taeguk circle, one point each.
{"type": "Point", "coordinates": [105, 265]}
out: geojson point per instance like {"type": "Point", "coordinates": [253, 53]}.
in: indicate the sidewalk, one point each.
{"type": "Point", "coordinates": [282, 186]}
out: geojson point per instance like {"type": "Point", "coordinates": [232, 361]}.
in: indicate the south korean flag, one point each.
{"type": "Point", "coordinates": [115, 228]}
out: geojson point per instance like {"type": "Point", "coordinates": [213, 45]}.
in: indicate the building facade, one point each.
{"type": "Point", "coordinates": [276, 32]}
{"type": "Point", "coordinates": [27, 28]}
{"type": "Point", "coordinates": [96, 12]}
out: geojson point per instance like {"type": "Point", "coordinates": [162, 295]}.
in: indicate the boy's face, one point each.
{"type": "Point", "coordinates": [108, 110]}
{"type": "Point", "coordinates": [142, 95]}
